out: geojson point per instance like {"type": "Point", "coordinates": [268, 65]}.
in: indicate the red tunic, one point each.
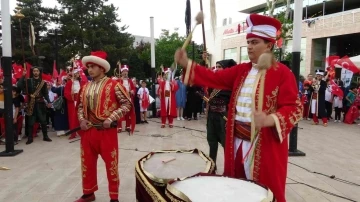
{"type": "Point", "coordinates": [277, 95]}
{"type": "Point", "coordinates": [172, 99]}
{"type": "Point", "coordinates": [71, 98]}
{"type": "Point", "coordinates": [132, 87]}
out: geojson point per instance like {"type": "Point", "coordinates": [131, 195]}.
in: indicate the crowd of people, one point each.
{"type": "Point", "coordinates": [328, 99]}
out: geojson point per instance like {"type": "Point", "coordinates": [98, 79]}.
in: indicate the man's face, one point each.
{"type": "Point", "coordinates": [319, 77]}
{"type": "Point", "coordinates": [48, 86]}
{"type": "Point", "coordinates": [94, 70]}
{"type": "Point", "coordinates": [256, 47]}
{"type": "Point", "coordinates": [143, 84]}
{"type": "Point", "coordinates": [1, 80]}
{"type": "Point", "coordinates": [124, 74]}
{"type": "Point", "coordinates": [1, 89]}
{"type": "Point", "coordinates": [13, 93]}
{"type": "Point", "coordinates": [310, 77]}
{"type": "Point", "coordinates": [36, 72]}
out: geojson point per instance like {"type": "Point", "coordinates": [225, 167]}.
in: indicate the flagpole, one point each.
{"type": "Point", "coordinates": [203, 33]}
{"type": "Point", "coordinates": [6, 64]}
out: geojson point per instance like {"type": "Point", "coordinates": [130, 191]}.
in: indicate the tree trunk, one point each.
{"type": "Point", "coordinates": [271, 6]}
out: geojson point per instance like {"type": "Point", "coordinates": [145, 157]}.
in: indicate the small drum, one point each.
{"type": "Point", "coordinates": [208, 188]}
{"type": "Point", "coordinates": [156, 169]}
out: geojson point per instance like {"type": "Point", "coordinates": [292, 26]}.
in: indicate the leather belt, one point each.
{"type": "Point", "coordinates": [242, 130]}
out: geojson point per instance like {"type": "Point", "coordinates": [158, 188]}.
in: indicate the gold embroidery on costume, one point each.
{"type": "Point", "coordinates": [114, 166]}
{"type": "Point", "coordinates": [271, 101]}
{"type": "Point", "coordinates": [83, 167]}
{"type": "Point", "coordinates": [257, 159]}
{"type": "Point", "coordinates": [106, 111]}
{"type": "Point", "coordinates": [297, 114]}
{"type": "Point", "coordinates": [283, 124]}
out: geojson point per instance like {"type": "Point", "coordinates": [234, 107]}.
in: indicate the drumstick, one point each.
{"type": "Point", "coordinates": [4, 168]}
{"type": "Point", "coordinates": [168, 160]}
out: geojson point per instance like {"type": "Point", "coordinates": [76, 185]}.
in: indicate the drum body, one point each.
{"type": "Point", "coordinates": [153, 174]}
{"type": "Point", "coordinates": [216, 188]}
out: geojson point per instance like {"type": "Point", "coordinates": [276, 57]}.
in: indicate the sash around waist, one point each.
{"type": "Point", "coordinates": [242, 130]}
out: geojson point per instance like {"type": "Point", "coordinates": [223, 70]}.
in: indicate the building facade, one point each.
{"type": "Point", "coordinates": [329, 28]}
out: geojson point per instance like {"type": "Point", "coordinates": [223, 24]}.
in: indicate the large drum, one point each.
{"type": "Point", "coordinates": [215, 188]}
{"type": "Point", "coordinates": [156, 169]}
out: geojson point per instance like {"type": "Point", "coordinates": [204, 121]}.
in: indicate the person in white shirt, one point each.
{"type": "Point", "coordinates": [50, 111]}
{"type": "Point", "coordinates": [329, 97]}
{"type": "Point", "coordinates": [143, 95]}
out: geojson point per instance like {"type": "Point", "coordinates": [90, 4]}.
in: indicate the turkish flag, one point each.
{"type": "Point", "coordinates": [336, 90]}
{"type": "Point", "coordinates": [28, 69]}
{"type": "Point", "coordinates": [46, 77]}
{"type": "Point", "coordinates": [332, 60]}
{"type": "Point", "coordinates": [18, 70]}
{"type": "Point", "coordinates": [346, 63]}
{"type": "Point", "coordinates": [55, 72]}
{"type": "Point", "coordinates": [78, 64]}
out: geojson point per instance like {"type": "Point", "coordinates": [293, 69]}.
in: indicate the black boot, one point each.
{"type": "Point", "coordinates": [44, 131]}
{"type": "Point", "coordinates": [29, 141]}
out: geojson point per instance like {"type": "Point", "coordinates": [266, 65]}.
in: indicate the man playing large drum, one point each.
{"type": "Point", "coordinates": [264, 107]}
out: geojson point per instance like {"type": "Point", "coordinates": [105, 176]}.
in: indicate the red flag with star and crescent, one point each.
{"type": "Point", "coordinates": [346, 63]}
{"type": "Point", "coordinates": [336, 90]}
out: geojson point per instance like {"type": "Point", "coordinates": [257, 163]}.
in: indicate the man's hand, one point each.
{"type": "Point", "coordinates": [15, 120]}
{"type": "Point", "coordinates": [49, 105]}
{"type": "Point", "coordinates": [181, 57]}
{"type": "Point", "coordinates": [259, 118]}
{"type": "Point", "coordinates": [84, 125]}
{"type": "Point", "coordinates": [24, 72]}
{"type": "Point", "coordinates": [131, 92]}
{"type": "Point", "coordinates": [107, 123]}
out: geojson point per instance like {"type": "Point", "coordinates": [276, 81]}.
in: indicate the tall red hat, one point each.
{"type": "Point", "coordinates": [97, 58]}
{"type": "Point", "coordinates": [124, 68]}
{"type": "Point", "coordinates": [264, 27]}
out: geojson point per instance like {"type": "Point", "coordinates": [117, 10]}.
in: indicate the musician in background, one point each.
{"type": "Point", "coordinates": [130, 89]}
{"type": "Point", "coordinates": [264, 96]}
{"type": "Point", "coordinates": [71, 92]}
{"type": "Point", "coordinates": [318, 98]}
{"type": "Point", "coordinates": [167, 92]}
{"type": "Point", "coordinates": [217, 109]}
{"type": "Point", "coordinates": [101, 101]}
{"type": "Point", "coordinates": [38, 101]}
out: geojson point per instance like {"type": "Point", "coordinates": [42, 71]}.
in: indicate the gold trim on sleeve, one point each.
{"type": "Point", "coordinates": [277, 125]}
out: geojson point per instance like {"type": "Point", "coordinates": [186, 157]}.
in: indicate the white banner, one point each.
{"type": "Point", "coordinates": [346, 76]}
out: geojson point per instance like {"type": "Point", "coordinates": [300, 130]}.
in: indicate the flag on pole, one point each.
{"type": "Point", "coordinates": [55, 72]}
{"type": "Point", "coordinates": [32, 38]}
{"type": "Point", "coordinates": [346, 63]}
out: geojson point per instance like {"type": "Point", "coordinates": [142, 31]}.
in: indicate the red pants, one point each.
{"type": "Point", "coordinates": [277, 188]}
{"type": "Point", "coordinates": [105, 143]}
{"type": "Point", "coordinates": [170, 118]}
{"type": "Point", "coordinates": [316, 120]}
{"type": "Point", "coordinates": [306, 111]}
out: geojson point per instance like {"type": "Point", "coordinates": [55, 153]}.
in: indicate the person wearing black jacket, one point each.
{"type": "Point", "coordinates": [217, 109]}
{"type": "Point", "coordinates": [318, 98]}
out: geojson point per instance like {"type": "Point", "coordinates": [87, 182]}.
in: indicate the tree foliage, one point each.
{"type": "Point", "coordinates": [165, 48]}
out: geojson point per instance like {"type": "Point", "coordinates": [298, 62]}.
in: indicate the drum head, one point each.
{"type": "Point", "coordinates": [219, 189]}
{"type": "Point", "coordinates": [184, 165]}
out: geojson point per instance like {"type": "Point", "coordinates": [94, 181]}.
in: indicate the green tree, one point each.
{"type": "Point", "coordinates": [90, 25]}
{"type": "Point", "coordinates": [165, 48]}
{"type": "Point", "coordinates": [40, 18]}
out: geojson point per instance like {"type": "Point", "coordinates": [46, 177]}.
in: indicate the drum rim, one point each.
{"type": "Point", "coordinates": [172, 192]}
{"type": "Point", "coordinates": [210, 165]}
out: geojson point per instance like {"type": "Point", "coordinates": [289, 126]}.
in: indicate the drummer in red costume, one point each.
{"type": "Point", "coordinates": [71, 92]}
{"type": "Point", "coordinates": [167, 92]}
{"type": "Point", "coordinates": [130, 89]}
{"type": "Point", "coordinates": [264, 107]}
{"type": "Point", "coordinates": [101, 101]}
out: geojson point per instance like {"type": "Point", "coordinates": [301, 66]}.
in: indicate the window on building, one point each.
{"type": "Point", "coordinates": [230, 53]}
{"type": "Point", "coordinates": [244, 55]}
{"type": "Point", "coordinates": [224, 22]}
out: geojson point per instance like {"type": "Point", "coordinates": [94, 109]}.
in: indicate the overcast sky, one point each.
{"type": "Point", "coordinates": [168, 14]}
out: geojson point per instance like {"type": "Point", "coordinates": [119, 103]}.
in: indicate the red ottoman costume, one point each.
{"type": "Point", "coordinates": [167, 93]}
{"type": "Point", "coordinates": [261, 156]}
{"type": "Point", "coordinates": [101, 100]}
{"type": "Point", "coordinates": [130, 89]}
